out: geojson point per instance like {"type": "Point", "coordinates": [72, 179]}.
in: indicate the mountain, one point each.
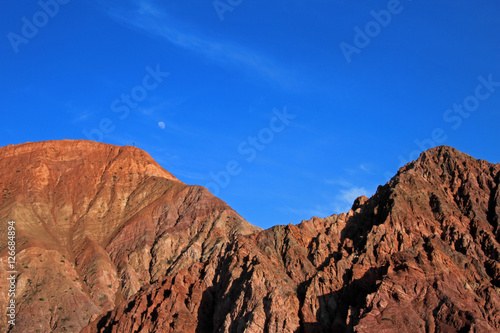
{"type": "Point", "coordinates": [132, 249]}
{"type": "Point", "coordinates": [94, 224]}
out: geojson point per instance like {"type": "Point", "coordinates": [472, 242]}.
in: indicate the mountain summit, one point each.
{"type": "Point", "coordinates": [108, 241]}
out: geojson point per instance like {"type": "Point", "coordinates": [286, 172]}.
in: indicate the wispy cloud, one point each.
{"type": "Point", "coordinates": [154, 109]}
{"type": "Point", "coordinates": [347, 193]}
{"type": "Point", "coordinates": [164, 107]}
{"type": "Point", "coordinates": [348, 196]}
{"type": "Point", "coordinates": [153, 20]}
{"type": "Point", "coordinates": [341, 202]}
{"type": "Point", "coordinates": [339, 181]}
{"type": "Point", "coordinates": [79, 114]}
{"type": "Point", "coordinates": [365, 167]}
{"type": "Point", "coordinates": [317, 210]}
{"type": "Point", "coordinates": [362, 168]}
{"type": "Point", "coordinates": [83, 116]}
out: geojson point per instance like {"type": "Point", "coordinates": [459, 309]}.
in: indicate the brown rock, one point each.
{"type": "Point", "coordinates": [421, 255]}
{"type": "Point", "coordinates": [94, 224]}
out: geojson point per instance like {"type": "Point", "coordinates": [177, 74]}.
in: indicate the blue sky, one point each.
{"type": "Point", "coordinates": [284, 110]}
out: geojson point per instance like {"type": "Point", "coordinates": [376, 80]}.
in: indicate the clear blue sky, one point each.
{"type": "Point", "coordinates": [356, 84]}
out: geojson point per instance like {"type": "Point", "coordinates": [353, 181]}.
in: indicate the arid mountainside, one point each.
{"type": "Point", "coordinates": [108, 241]}
{"type": "Point", "coordinates": [421, 255]}
{"type": "Point", "coordinates": [94, 224]}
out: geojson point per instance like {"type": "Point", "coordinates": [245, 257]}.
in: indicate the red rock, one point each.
{"type": "Point", "coordinates": [421, 255]}
{"type": "Point", "coordinates": [94, 224]}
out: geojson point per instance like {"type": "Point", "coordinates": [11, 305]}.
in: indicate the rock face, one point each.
{"type": "Point", "coordinates": [94, 224]}
{"type": "Point", "coordinates": [421, 255]}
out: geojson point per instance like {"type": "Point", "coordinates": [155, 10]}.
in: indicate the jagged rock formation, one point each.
{"type": "Point", "coordinates": [421, 255]}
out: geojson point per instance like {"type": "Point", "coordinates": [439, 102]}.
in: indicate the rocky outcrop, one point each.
{"type": "Point", "coordinates": [132, 249]}
{"type": "Point", "coordinates": [421, 255]}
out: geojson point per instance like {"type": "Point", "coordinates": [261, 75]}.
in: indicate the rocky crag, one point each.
{"type": "Point", "coordinates": [130, 248]}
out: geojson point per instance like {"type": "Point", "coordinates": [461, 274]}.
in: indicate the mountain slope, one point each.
{"type": "Point", "coordinates": [94, 224]}
{"type": "Point", "coordinates": [421, 255]}
{"type": "Point", "coordinates": [108, 241]}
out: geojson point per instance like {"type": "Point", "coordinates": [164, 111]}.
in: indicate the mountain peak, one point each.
{"type": "Point", "coordinates": [110, 241]}
{"type": "Point", "coordinates": [95, 223]}
{"type": "Point", "coordinates": [443, 154]}
{"type": "Point", "coordinates": [104, 157]}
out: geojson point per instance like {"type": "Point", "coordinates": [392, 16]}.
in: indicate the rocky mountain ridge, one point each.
{"type": "Point", "coordinates": [421, 255]}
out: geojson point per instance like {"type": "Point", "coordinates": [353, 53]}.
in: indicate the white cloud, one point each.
{"type": "Point", "coordinates": [341, 204]}
{"type": "Point", "coordinates": [83, 116]}
{"type": "Point", "coordinates": [306, 213]}
{"type": "Point", "coordinates": [365, 167]}
{"type": "Point", "coordinates": [80, 114]}
{"type": "Point", "coordinates": [153, 20]}
{"type": "Point", "coordinates": [349, 195]}
{"type": "Point", "coordinates": [362, 168]}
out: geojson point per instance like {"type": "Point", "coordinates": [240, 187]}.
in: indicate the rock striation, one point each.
{"type": "Point", "coordinates": [94, 224]}
{"type": "Point", "coordinates": [421, 255]}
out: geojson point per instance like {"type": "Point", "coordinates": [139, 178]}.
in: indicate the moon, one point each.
{"type": "Point", "coordinates": [161, 125]}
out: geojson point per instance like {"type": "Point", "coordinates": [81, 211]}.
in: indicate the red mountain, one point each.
{"type": "Point", "coordinates": [94, 224]}
{"type": "Point", "coordinates": [108, 241]}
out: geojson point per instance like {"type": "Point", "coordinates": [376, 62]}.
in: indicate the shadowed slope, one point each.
{"type": "Point", "coordinates": [421, 255]}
